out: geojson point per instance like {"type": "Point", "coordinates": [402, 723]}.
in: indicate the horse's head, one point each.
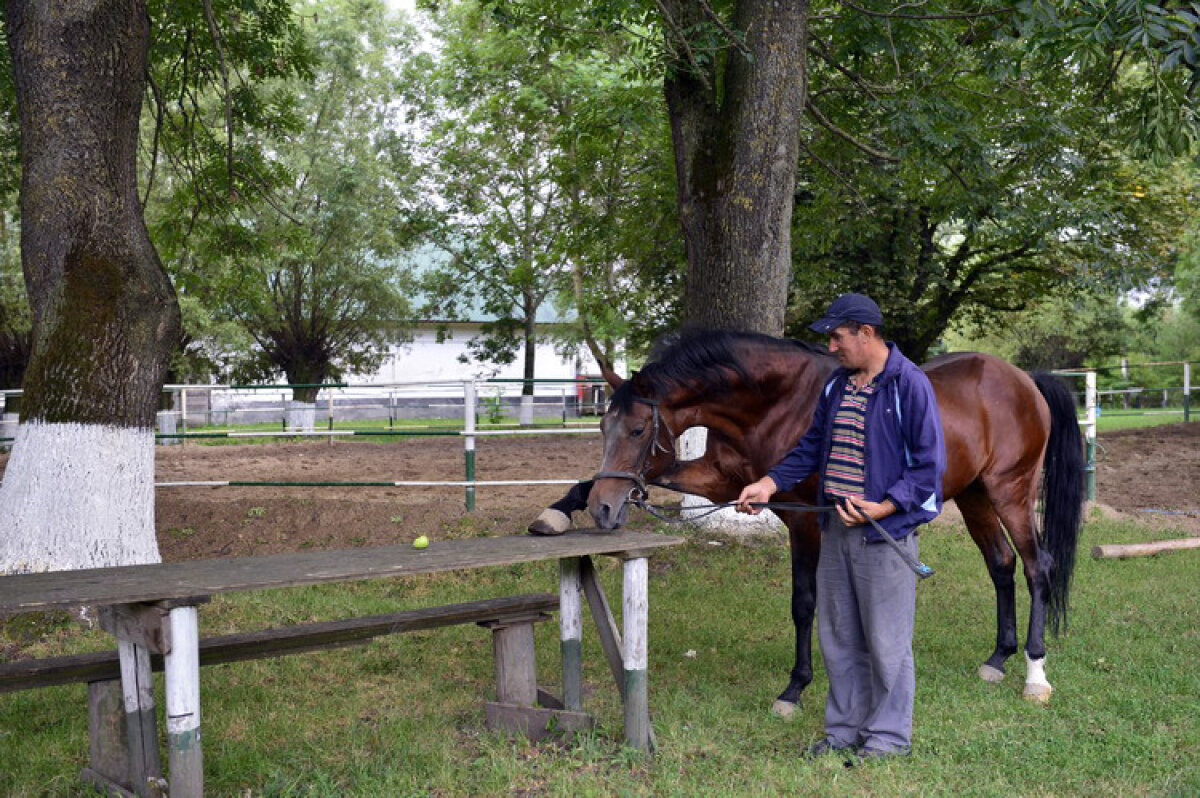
{"type": "Point", "coordinates": [638, 446]}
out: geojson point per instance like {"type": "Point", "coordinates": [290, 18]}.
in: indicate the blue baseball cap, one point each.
{"type": "Point", "coordinates": [848, 307]}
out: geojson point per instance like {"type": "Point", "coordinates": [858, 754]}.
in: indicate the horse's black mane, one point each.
{"type": "Point", "coordinates": [697, 354]}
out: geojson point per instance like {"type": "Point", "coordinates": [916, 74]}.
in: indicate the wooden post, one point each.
{"type": "Point", "coordinates": [1119, 551]}
{"type": "Point", "coordinates": [182, 667]}
{"type": "Point", "coordinates": [570, 609]}
{"type": "Point", "coordinates": [606, 627]}
{"type": "Point", "coordinates": [636, 623]}
{"type": "Point", "coordinates": [108, 738]}
{"type": "Point", "coordinates": [516, 662]}
{"type": "Point", "coordinates": [137, 688]}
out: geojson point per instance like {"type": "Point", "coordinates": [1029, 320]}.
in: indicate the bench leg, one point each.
{"type": "Point", "coordinates": [182, 668]}
{"type": "Point", "coordinates": [137, 687]}
{"type": "Point", "coordinates": [108, 738]}
{"type": "Point", "coordinates": [638, 732]}
{"type": "Point", "coordinates": [570, 608]}
{"type": "Point", "coordinates": [516, 663]}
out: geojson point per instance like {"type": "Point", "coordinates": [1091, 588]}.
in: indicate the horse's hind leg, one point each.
{"type": "Point", "coordinates": [1019, 519]}
{"type": "Point", "coordinates": [984, 527]}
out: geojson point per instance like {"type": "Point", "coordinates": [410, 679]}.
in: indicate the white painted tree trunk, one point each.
{"type": "Point", "coordinates": [526, 417]}
{"type": "Point", "coordinates": [77, 496]}
{"type": "Point", "coordinates": [691, 445]}
{"type": "Point", "coordinates": [301, 416]}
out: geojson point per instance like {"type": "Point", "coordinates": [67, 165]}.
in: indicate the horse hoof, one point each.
{"type": "Point", "coordinates": [550, 522]}
{"type": "Point", "coordinates": [990, 674]}
{"type": "Point", "coordinates": [1038, 693]}
{"type": "Point", "coordinates": [783, 709]}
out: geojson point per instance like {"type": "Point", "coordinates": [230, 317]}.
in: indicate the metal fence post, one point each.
{"type": "Point", "coordinates": [1187, 391]}
{"type": "Point", "coordinates": [470, 403]}
{"type": "Point", "coordinates": [1090, 382]}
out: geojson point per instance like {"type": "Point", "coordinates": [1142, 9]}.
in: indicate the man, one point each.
{"type": "Point", "coordinates": [876, 443]}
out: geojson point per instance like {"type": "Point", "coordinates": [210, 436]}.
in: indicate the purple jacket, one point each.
{"type": "Point", "coordinates": [905, 450]}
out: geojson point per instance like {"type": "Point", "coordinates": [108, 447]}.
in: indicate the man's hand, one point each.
{"type": "Point", "coordinates": [759, 491]}
{"type": "Point", "coordinates": [855, 512]}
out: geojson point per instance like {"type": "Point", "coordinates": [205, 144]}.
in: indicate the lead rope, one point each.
{"type": "Point", "coordinates": [638, 498]}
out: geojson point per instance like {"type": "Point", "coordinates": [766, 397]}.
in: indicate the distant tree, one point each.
{"type": "Point", "coordinates": [1055, 333]}
{"type": "Point", "coordinates": [307, 269]}
{"type": "Point", "coordinates": [502, 167]}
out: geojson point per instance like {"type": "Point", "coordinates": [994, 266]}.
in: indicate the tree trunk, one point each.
{"type": "Point", "coordinates": [525, 417]}
{"type": "Point", "coordinates": [736, 141]}
{"type": "Point", "coordinates": [79, 489]}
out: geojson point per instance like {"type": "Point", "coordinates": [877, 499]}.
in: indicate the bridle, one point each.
{"type": "Point", "coordinates": [640, 491]}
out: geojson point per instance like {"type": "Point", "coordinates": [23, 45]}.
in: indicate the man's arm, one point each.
{"type": "Point", "coordinates": [920, 482]}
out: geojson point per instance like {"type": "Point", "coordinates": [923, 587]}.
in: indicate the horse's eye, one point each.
{"type": "Point", "coordinates": [637, 433]}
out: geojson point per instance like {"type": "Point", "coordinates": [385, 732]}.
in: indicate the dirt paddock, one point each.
{"type": "Point", "coordinates": [1151, 475]}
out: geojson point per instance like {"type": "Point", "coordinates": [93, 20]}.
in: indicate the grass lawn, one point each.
{"type": "Point", "coordinates": [404, 716]}
{"type": "Point", "coordinates": [1133, 419]}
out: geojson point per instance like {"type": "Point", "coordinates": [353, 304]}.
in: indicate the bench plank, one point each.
{"type": "Point", "coordinates": [163, 581]}
{"type": "Point", "coordinates": [282, 641]}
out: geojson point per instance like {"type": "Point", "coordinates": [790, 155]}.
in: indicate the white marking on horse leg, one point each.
{"type": "Point", "coordinates": [783, 709]}
{"type": "Point", "coordinates": [990, 674]}
{"type": "Point", "coordinates": [1036, 687]}
{"type": "Point", "coordinates": [551, 522]}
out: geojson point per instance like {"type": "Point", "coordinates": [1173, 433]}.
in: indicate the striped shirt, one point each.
{"type": "Point", "coordinates": [845, 473]}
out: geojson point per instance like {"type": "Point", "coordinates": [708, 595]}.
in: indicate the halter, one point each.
{"type": "Point", "coordinates": [640, 491]}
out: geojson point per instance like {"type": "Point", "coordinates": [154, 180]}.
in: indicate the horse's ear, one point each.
{"type": "Point", "coordinates": [611, 377]}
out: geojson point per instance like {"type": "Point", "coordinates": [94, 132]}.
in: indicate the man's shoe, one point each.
{"type": "Point", "coordinates": [862, 755]}
{"type": "Point", "coordinates": [827, 745]}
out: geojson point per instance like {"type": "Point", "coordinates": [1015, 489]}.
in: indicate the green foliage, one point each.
{"type": "Point", "coordinates": [1142, 59]}
{"type": "Point", "coordinates": [297, 273]}
{"type": "Point", "coordinates": [16, 322]}
{"type": "Point", "coordinates": [1055, 333]}
{"type": "Point", "coordinates": [980, 178]}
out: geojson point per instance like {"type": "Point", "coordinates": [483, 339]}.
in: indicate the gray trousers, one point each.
{"type": "Point", "coordinates": [866, 603]}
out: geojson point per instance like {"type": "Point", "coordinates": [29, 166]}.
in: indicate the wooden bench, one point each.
{"type": "Point", "coordinates": [152, 611]}
{"type": "Point", "coordinates": [113, 766]}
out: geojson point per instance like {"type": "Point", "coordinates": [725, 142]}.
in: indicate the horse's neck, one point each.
{"type": "Point", "coordinates": [789, 384]}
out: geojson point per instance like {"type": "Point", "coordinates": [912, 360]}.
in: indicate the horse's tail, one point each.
{"type": "Point", "coordinates": [1062, 494]}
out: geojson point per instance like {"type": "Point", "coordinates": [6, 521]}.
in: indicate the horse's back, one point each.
{"type": "Point", "coordinates": [993, 416]}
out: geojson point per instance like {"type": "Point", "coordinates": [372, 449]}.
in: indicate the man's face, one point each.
{"type": "Point", "coordinates": [850, 347]}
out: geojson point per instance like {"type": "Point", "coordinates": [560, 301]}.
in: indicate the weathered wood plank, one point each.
{"type": "Point", "coordinates": [1120, 551]}
{"type": "Point", "coordinates": [606, 627]}
{"type": "Point", "coordinates": [108, 740]}
{"type": "Point", "coordinates": [535, 722]}
{"type": "Point", "coordinates": [166, 581]}
{"type": "Point", "coordinates": [27, 674]}
{"type": "Point", "coordinates": [515, 662]}
{"type": "Point", "coordinates": [142, 624]}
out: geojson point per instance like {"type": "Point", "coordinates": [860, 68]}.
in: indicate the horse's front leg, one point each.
{"type": "Point", "coordinates": [556, 519]}
{"type": "Point", "coordinates": [805, 537]}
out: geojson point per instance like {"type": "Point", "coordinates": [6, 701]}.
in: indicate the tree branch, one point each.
{"type": "Point", "coordinates": [216, 36]}
{"type": "Point", "coordinates": [824, 122]}
{"type": "Point", "coordinates": [895, 15]}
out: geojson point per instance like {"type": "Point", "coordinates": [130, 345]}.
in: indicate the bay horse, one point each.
{"type": "Point", "coordinates": [1010, 436]}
